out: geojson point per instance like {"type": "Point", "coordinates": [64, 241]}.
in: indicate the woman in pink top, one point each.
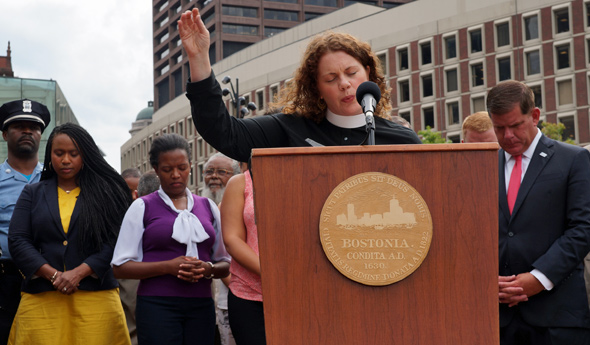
{"type": "Point", "coordinates": [240, 235]}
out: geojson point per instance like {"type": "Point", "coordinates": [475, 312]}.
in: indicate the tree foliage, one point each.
{"type": "Point", "coordinates": [555, 132]}
{"type": "Point", "coordinates": [430, 137]}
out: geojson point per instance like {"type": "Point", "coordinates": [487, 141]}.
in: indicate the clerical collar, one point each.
{"type": "Point", "coordinates": [352, 121]}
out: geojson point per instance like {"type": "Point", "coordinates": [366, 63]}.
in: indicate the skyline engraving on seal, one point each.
{"type": "Point", "coordinates": [375, 228]}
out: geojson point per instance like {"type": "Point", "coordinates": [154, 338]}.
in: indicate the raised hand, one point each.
{"type": "Point", "coordinates": [195, 41]}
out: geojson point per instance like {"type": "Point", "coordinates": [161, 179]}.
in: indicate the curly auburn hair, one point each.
{"type": "Point", "coordinates": [301, 95]}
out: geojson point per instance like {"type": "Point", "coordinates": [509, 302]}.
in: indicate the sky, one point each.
{"type": "Point", "coordinates": [99, 52]}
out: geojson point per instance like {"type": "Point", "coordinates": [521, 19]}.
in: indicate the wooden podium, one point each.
{"type": "Point", "coordinates": [452, 298]}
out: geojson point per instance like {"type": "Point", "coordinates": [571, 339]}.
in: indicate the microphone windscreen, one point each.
{"type": "Point", "coordinates": [368, 87]}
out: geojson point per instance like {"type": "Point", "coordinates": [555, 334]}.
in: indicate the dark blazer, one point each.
{"type": "Point", "coordinates": [549, 230]}
{"type": "Point", "coordinates": [36, 237]}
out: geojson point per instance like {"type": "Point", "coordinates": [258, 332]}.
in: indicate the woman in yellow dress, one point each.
{"type": "Point", "coordinates": [62, 236]}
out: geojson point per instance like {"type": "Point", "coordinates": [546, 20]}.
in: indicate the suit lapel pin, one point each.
{"type": "Point", "coordinates": [543, 154]}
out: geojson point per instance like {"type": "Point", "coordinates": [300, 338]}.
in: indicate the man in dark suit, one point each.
{"type": "Point", "coordinates": [544, 226]}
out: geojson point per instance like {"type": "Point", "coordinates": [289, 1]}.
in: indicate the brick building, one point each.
{"type": "Point", "coordinates": [233, 25]}
{"type": "Point", "coordinates": [441, 57]}
{"type": "Point", "coordinates": [6, 64]}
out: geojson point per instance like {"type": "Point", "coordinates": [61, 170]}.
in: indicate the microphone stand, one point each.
{"type": "Point", "coordinates": [370, 127]}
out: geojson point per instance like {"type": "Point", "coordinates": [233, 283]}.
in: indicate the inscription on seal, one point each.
{"type": "Point", "coordinates": [375, 228]}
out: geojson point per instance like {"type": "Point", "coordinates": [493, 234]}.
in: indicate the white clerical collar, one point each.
{"type": "Point", "coordinates": [352, 121]}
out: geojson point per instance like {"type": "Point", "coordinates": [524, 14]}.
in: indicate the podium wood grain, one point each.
{"type": "Point", "coordinates": [451, 299]}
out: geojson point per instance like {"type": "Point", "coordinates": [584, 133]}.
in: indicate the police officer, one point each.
{"type": "Point", "coordinates": [22, 123]}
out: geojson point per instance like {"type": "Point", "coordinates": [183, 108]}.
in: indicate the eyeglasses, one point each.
{"type": "Point", "coordinates": [219, 172]}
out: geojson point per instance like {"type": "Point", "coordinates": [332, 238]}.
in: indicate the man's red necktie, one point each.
{"type": "Point", "coordinates": [514, 184]}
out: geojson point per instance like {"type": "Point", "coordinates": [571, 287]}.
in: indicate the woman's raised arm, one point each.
{"type": "Point", "coordinates": [195, 40]}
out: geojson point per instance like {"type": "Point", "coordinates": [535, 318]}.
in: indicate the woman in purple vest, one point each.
{"type": "Point", "coordinates": [171, 240]}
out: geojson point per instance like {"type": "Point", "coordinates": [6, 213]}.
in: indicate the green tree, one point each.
{"type": "Point", "coordinates": [430, 137]}
{"type": "Point", "coordinates": [555, 132]}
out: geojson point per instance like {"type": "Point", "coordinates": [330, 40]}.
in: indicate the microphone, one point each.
{"type": "Point", "coordinates": [368, 95]}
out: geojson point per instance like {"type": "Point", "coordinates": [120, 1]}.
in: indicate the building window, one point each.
{"type": "Point", "coordinates": [452, 82]}
{"type": "Point", "coordinates": [570, 127]}
{"type": "Point", "coordinates": [285, 1]}
{"type": "Point", "coordinates": [404, 91]}
{"type": "Point", "coordinates": [562, 20]}
{"type": "Point", "coordinates": [478, 104]}
{"type": "Point", "coordinates": [181, 129]}
{"type": "Point", "coordinates": [230, 47]}
{"type": "Point", "coordinates": [383, 60]}
{"type": "Point", "coordinates": [531, 28]}
{"type": "Point", "coordinates": [163, 92]}
{"type": "Point", "coordinates": [450, 47]}
{"type": "Point", "coordinates": [427, 89]}
{"type": "Point", "coordinates": [240, 29]}
{"type": "Point", "coordinates": [403, 59]}
{"type": "Point", "coordinates": [200, 148]}
{"type": "Point", "coordinates": [475, 41]}
{"type": "Point", "coordinates": [504, 72]}
{"type": "Point", "coordinates": [200, 172]}
{"type": "Point", "coordinates": [428, 117]}
{"type": "Point", "coordinates": [239, 11]}
{"type": "Point", "coordinates": [281, 15]}
{"type": "Point", "coordinates": [163, 6]}
{"type": "Point", "coordinates": [327, 3]}
{"type": "Point", "coordinates": [212, 55]}
{"type": "Point", "coordinates": [562, 56]}
{"type": "Point", "coordinates": [503, 34]}
{"type": "Point", "coordinates": [533, 62]}
{"type": "Point", "coordinates": [274, 92]}
{"type": "Point", "coordinates": [564, 92]}
{"type": "Point", "coordinates": [260, 99]}
{"type": "Point", "coordinates": [455, 139]}
{"type": "Point", "coordinates": [477, 74]}
{"type": "Point", "coordinates": [271, 31]}
{"type": "Point", "coordinates": [426, 53]}
{"type": "Point", "coordinates": [178, 84]}
{"type": "Point", "coordinates": [351, 2]}
{"type": "Point", "coordinates": [588, 14]}
{"type": "Point", "coordinates": [406, 116]}
{"type": "Point", "coordinates": [164, 53]}
{"type": "Point", "coordinates": [453, 113]}
{"type": "Point", "coordinates": [164, 37]}
{"type": "Point", "coordinates": [164, 69]}
{"type": "Point", "coordinates": [208, 17]}
{"type": "Point", "coordinates": [164, 21]}
{"type": "Point", "coordinates": [538, 93]}
{"type": "Point", "coordinates": [189, 126]}
{"type": "Point", "coordinates": [310, 15]}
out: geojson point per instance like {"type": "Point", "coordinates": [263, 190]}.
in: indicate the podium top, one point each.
{"type": "Point", "coordinates": [286, 151]}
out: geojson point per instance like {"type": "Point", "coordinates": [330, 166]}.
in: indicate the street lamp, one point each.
{"type": "Point", "coordinates": [236, 100]}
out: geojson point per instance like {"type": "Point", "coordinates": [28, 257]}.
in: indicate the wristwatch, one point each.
{"type": "Point", "coordinates": [212, 268]}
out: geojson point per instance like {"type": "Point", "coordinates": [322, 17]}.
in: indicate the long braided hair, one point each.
{"type": "Point", "coordinates": [104, 192]}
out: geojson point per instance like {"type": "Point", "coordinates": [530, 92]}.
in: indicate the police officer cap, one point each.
{"type": "Point", "coordinates": [24, 110]}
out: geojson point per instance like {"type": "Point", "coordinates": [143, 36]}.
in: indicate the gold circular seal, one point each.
{"type": "Point", "coordinates": [375, 228]}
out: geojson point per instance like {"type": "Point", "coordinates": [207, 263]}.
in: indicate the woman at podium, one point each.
{"type": "Point", "coordinates": [319, 106]}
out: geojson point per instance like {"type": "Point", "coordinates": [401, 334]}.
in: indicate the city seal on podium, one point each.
{"type": "Point", "coordinates": [375, 228]}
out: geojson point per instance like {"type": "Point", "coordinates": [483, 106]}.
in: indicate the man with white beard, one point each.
{"type": "Point", "coordinates": [217, 171]}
